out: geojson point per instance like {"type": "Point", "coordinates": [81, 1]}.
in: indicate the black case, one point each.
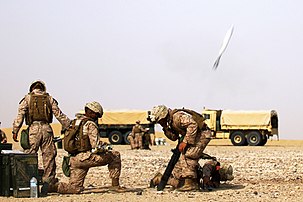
{"type": "Point", "coordinates": [16, 173]}
{"type": "Point", "coordinates": [6, 146]}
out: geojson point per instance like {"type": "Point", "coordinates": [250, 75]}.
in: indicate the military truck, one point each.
{"type": "Point", "coordinates": [242, 127]}
{"type": "Point", "coordinates": [117, 125]}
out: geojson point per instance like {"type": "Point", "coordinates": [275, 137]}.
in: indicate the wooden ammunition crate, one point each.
{"type": "Point", "coordinates": [16, 172]}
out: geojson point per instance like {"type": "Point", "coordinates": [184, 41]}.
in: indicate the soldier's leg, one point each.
{"type": "Point", "coordinates": [140, 140]}
{"type": "Point", "coordinates": [110, 158]}
{"type": "Point", "coordinates": [76, 182]}
{"type": "Point", "coordinates": [49, 153]}
{"type": "Point", "coordinates": [35, 138]}
{"type": "Point", "coordinates": [137, 137]}
{"type": "Point", "coordinates": [131, 141]}
{"type": "Point", "coordinates": [189, 174]}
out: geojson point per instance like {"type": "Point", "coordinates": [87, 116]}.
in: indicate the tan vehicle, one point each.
{"type": "Point", "coordinates": [242, 127]}
{"type": "Point", "coordinates": [117, 125]}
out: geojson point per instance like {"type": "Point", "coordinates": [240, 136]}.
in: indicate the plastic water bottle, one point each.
{"type": "Point", "coordinates": [33, 188]}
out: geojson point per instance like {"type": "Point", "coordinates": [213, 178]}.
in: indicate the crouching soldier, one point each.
{"type": "Point", "coordinates": [212, 173]}
{"type": "Point", "coordinates": [83, 151]}
{"type": "Point", "coordinates": [209, 176]}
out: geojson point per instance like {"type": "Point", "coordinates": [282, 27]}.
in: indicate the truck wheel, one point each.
{"type": "Point", "coordinates": [264, 140]}
{"type": "Point", "coordinates": [125, 136]}
{"type": "Point", "coordinates": [238, 139]}
{"type": "Point", "coordinates": [254, 138]}
{"type": "Point", "coordinates": [115, 137]}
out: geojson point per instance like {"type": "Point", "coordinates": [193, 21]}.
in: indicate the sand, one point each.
{"type": "Point", "coordinates": [269, 173]}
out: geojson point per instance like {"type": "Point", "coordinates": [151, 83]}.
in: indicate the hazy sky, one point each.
{"type": "Point", "coordinates": [134, 54]}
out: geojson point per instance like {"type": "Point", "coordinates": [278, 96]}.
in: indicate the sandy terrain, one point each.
{"type": "Point", "coordinates": [269, 173]}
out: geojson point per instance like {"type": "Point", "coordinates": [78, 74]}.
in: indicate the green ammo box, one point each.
{"type": "Point", "coordinates": [17, 169]}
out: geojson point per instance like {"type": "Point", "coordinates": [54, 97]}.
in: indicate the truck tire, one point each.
{"type": "Point", "coordinates": [264, 140]}
{"type": "Point", "coordinates": [115, 137]}
{"type": "Point", "coordinates": [238, 138]}
{"type": "Point", "coordinates": [254, 138]}
{"type": "Point", "coordinates": [125, 136]}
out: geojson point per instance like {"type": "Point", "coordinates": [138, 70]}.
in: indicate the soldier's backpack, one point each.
{"type": "Point", "coordinates": [39, 109]}
{"type": "Point", "coordinates": [74, 140]}
{"type": "Point", "coordinates": [196, 116]}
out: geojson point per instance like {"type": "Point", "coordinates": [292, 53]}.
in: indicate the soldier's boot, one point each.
{"type": "Point", "coordinates": [207, 183]}
{"type": "Point", "coordinates": [190, 184]}
{"type": "Point", "coordinates": [155, 181]}
{"type": "Point", "coordinates": [49, 187]}
{"type": "Point", "coordinates": [116, 186]}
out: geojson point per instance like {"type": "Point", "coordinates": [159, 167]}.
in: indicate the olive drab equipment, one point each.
{"type": "Point", "coordinates": [199, 118]}
{"type": "Point", "coordinates": [74, 140]}
{"type": "Point", "coordinates": [39, 109]}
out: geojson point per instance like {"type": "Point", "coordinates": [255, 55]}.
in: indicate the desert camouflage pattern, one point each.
{"type": "Point", "coordinates": [41, 135]}
{"type": "Point", "coordinates": [131, 139]}
{"type": "Point", "coordinates": [80, 163]}
{"type": "Point", "coordinates": [138, 132]}
{"type": "Point", "coordinates": [182, 123]}
{"type": "Point", "coordinates": [209, 172]}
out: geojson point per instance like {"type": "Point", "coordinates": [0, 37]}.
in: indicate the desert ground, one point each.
{"type": "Point", "coordinates": [273, 172]}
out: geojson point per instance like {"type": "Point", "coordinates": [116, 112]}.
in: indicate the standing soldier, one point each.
{"type": "Point", "coordinates": [138, 132]}
{"type": "Point", "coordinates": [194, 139]}
{"type": "Point", "coordinates": [38, 108]}
{"type": "Point", "coordinates": [89, 154]}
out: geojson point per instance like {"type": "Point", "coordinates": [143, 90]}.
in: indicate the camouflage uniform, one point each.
{"type": "Point", "coordinates": [41, 134]}
{"type": "Point", "coordinates": [183, 123]}
{"type": "Point", "coordinates": [131, 139]}
{"type": "Point", "coordinates": [210, 174]}
{"type": "Point", "coordinates": [138, 132]}
{"type": "Point", "coordinates": [81, 162]}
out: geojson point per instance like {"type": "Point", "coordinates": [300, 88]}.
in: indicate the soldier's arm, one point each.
{"type": "Point", "coordinates": [92, 131]}
{"type": "Point", "coordinates": [191, 126]}
{"type": "Point", "coordinates": [22, 110]}
{"type": "Point", "coordinates": [170, 134]}
{"type": "Point", "coordinates": [60, 116]}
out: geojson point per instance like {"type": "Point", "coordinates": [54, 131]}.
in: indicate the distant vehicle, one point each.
{"type": "Point", "coordinates": [117, 125]}
{"type": "Point", "coordinates": [242, 127]}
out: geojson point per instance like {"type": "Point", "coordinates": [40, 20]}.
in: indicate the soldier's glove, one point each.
{"type": "Point", "coordinates": [15, 136]}
{"type": "Point", "coordinates": [182, 147]}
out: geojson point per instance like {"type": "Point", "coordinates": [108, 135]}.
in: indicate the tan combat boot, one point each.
{"type": "Point", "coordinates": [116, 186]}
{"type": "Point", "coordinates": [190, 184]}
{"type": "Point", "coordinates": [155, 181]}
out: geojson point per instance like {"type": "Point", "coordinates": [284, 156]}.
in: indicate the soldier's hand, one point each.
{"type": "Point", "coordinates": [15, 136]}
{"type": "Point", "coordinates": [182, 147]}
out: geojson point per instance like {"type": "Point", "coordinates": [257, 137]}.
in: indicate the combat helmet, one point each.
{"type": "Point", "coordinates": [158, 112]}
{"type": "Point", "coordinates": [34, 83]}
{"type": "Point", "coordinates": [226, 172]}
{"type": "Point", "coordinates": [95, 107]}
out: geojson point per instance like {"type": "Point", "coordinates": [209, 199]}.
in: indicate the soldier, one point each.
{"type": "Point", "coordinates": [194, 139]}
{"type": "Point", "coordinates": [81, 161]}
{"type": "Point", "coordinates": [38, 108]}
{"type": "Point", "coordinates": [211, 173]}
{"type": "Point", "coordinates": [146, 140]}
{"type": "Point", "coordinates": [138, 132]}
